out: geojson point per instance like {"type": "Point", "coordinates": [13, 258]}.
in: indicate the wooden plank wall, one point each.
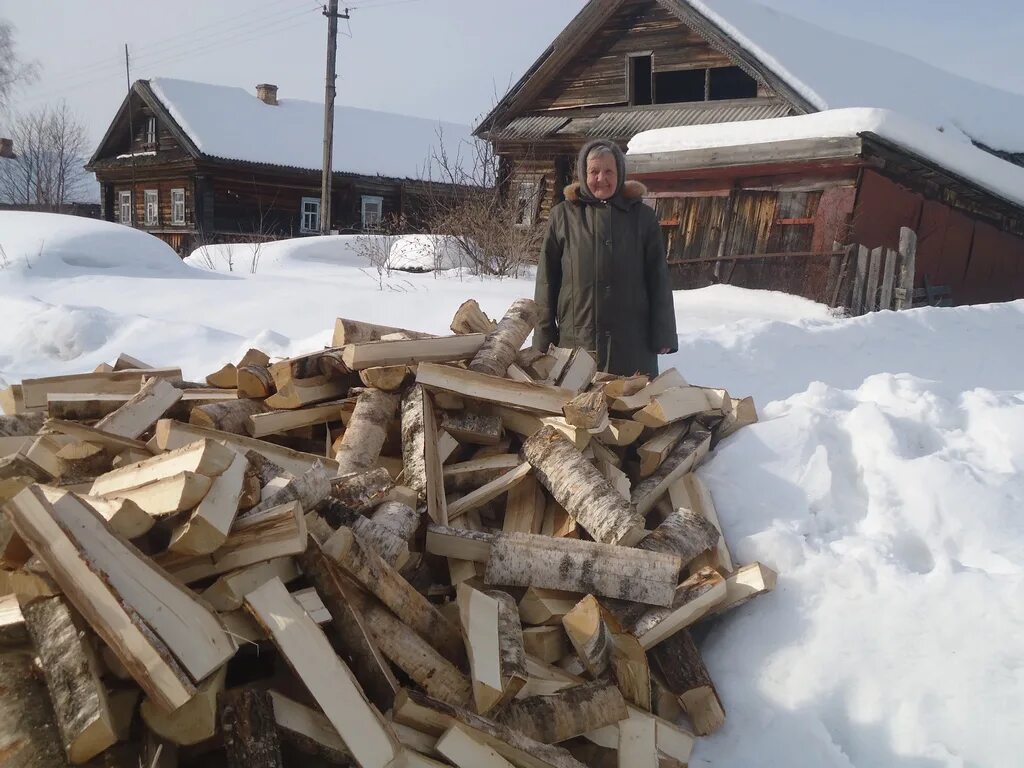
{"type": "Point", "coordinates": [163, 186]}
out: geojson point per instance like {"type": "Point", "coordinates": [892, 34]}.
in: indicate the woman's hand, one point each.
{"type": "Point", "coordinates": [664, 351]}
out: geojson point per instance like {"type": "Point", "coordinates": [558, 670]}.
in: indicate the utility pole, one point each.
{"type": "Point", "coordinates": [331, 12]}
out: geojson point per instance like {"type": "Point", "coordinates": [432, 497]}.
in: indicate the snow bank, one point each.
{"type": "Point", "coordinates": [229, 122]}
{"type": "Point", "coordinates": [55, 245]}
{"type": "Point", "coordinates": [951, 151]}
{"type": "Point", "coordinates": [833, 71]}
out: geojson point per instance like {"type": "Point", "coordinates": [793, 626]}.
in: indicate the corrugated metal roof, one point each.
{"type": "Point", "coordinates": [624, 123]}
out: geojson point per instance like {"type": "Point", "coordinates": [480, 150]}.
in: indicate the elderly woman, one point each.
{"type": "Point", "coordinates": [602, 280]}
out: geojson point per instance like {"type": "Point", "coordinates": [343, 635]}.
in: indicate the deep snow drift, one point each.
{"type": "Point", "coordinates": [885, 483]}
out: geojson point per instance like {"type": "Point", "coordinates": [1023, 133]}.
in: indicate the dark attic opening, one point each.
{"type": "Point", "coordinates": [679, 86]}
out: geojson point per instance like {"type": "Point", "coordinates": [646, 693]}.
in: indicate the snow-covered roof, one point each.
{"type": "Point", "coordinates": [951, 151]}
{"type": "Point", "coordinates": [832, 71]}
{"type": "Point", "coordinates": [232, 123]}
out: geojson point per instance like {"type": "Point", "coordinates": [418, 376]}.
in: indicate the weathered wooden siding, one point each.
{"type": "Point", "coordinates": [163, 186]}
{"type": "Point", "coordinates": [598, 75]}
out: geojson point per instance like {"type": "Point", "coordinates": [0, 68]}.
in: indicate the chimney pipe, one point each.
{"type": "Point", "coordinates": [267, 93]}
{"type": "Point", "coordinates": [7, 148]}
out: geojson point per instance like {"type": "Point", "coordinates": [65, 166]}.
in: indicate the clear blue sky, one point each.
{"type": "Point", "coordinates": [443, 59]}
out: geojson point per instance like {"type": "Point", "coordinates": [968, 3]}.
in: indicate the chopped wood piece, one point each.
{"type": "Point", "coordinates": [560, 357]}
{"type": "Point", "coordinates": [356, 332]}
{"type": "Point", "coordinates": [557, 522]}
{"type": "Point", "coordinates": [34, 391]}
{"type": "Point", "coordinates": [666, 380]}
{"type": "Point", "coordinates": [143, 410]}
{"type": "Point", "coordinates": [620, 386]}
{"type": "Point", "coordinates": [207, 527]}
{"type": "Point", "coordinates": [524, 509]}
{"type": "Point", "coordinates": [493, 389]}
{"type": "Point", "coordinates": [308, 729]}
{"type": "Point", "coordinates": [372, 743]}
{"type": "Point", "coordinates": [349, 628]}
{"type": "Point", "coordinates": [683, 533]}
{"type": "Point", "coordinates": [81, 462]}
{"type": "Point", "coordinates": [401, 519]}
{"type": "Point", "coordinates": [680, 665]}
{"type": "Point", "coordinates": [638, 743]}
{"type": "Point", "coordinates": [277, 532]}
{"type": "Point", "coordinates": [510, 645]}
{"type": "Point", "coordinates": [364, 436]}
{"type": "Point", "coordinates": [388, 378]}
{"type": "Point", "coordinates": [546, 606]}
{"type": "Point", "coordinates": [298, 393]}
{"type": "Point", "coordinates": [738, 413]}
{"type": "Point", "coordinates": [127, 362]}
{"type": "Point", "coordinates": [516, 373]}
{"type": "Point", "coordinates": [380, 579]}
{"type": "Point", "coordinates": [588, 411]}
{"type": "Point", "coordinates": [69, 666]}
{"type": "Point", "coordinates": [27, 585]}
{"type": "Point", "coordinates": [621, 432]}
{"type": "Point", "coordinates": [630, 669]}
{"type": "Point", "coordinates": [683, 458]}
{"type": "Point", "coordinates": [87, 434]}
{"type": "Point", "coordinates": [264, 423]}
{"type": "Point", "coordinates": [29, 737]}
{"type": "Point", "coordinates": [473, 428]}
{"type": "Point", "coordinates": [578, 371]}
{"type": "Point", "coordinates": [309, 489]}
{"type": "Point", "coordinates": [248, 722]}
{"type": "Point", "coordinates": [471, 319]}
{"type": "Point", "coordinates": [254, 381]}
{"type": "Point", "coordinates": [581, 489]}
{"type": "Point", "coordinates": [547, 643]}
{"type": "Point", "coordinates": [519, 559]}
{"type": "Point", "coordinates": [458, 543]}
{"type": "Point", "coordinates": [12, 400]}
{"type": "Point", "coordinates": [202, 457]}
{"type": "Point", "coordinates": [123, 515]}
{"type": "Point", "coordinates": [192, 723]}
{"type": "Point", "coordinates": [528, 424]}
{"type": "Point", "coordinates": [673, 405]}
{"type": "Point", "coordinates": [363, 490]}
{"type": "Point", "coordinates": [173, 434]}
{"type": "Point", "coordinates": [464, 751]}
{"type": "Point", "coordinates": [653, 452]}
{"type": "Point", "coordinates": [21, 425]}
{"type": "Point", "coordinates": [331, 515]}
{"type": "Point", "coordinates": [745, 584]}
{"type": "Point", "coordinates": [419, 452]}
{"type": "Point", "coordinates": [229, 416]}
{"type": "Point", "coordinates": [225, 377]}
{"type": "Point", "coordinates": [228, 591]}
{"type": "Point", "coordinates": [168, 495]}
{"type": "Point", "coordinates": [12, 623]}
{"type": "Point", "coordinates": [590, 635]}
{"type": "Point", "coordinates": [570, 712]}
{"type": "Point", "coordinates": [500, 347]}
{"type": "Point", "coordinates": [469, 475]}
{"type": "Point", "coordinates": [435, 717]}
{"type": "Point", "coordinates": [488, 492]}
{"type": "Point", "coordinates": [403, 352]}
{"type": "Point", "coordinates": [689, 491]}
{"type": "Point", "coordinates": [694, 599]}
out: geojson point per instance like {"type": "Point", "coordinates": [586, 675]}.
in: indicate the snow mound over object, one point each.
{"type": "Point", "coordinates": [55, 245]}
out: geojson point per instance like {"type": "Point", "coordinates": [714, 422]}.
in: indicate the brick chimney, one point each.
{"type": "Point", "coordinates": [7, 148]}
{"type": "Point", "coordinates": [267, 93]}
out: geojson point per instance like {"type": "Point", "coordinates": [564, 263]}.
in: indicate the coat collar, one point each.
{"type": "Point", "coordinates": [632, 192]}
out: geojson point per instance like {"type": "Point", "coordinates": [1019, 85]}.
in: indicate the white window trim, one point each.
{"type": "Point", "coordinates": [151, 130]}
{"type": "Point", "coordinates": [154, 196]}
{"type": "Point", "coordinates": [178, 195]}
{"type": "Point", "coordinates": [302, 215]}
{"type": "Point", "coordinates": [372, 199]}
{"type": "Point", "coordinates": [124, 198]}
{"type": "Point", "coordinates": [528, 201]}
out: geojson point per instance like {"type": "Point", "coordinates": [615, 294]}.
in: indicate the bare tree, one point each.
{"type": "Point", "coordinates": [50, 144]}
{"type": "Point", "coordinates": [12, 69]}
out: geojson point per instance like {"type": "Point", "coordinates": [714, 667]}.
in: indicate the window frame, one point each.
{"type": "Point", "coordinates": [176, 194]}
{"type": "Point", "coordinates": [149, 195]}
{"type": "Point", "coordinates": [303, 214]}
{"type": "Point", "coordinates": [372, 200]}
{"type": "Point", "coordinates": [124, 200]}
{"type": "Point", "coordinates": [150, 131]}
{"type": "Point", "coordinates": [526, 204]}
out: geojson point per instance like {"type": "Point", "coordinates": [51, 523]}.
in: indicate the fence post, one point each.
{"type": "Point", "coordinates": [908, 257]}
{"type": "Point", "coordinates": [888, 274]}
{"type": "Point", "coordinates": [857, 305]}
{"type": "Point", "coordinates": [871, 297]}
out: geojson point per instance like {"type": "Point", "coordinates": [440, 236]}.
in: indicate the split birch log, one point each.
{"type": "Point", "coordinates": [547, 643]}
{"type": "Point", "coordinates": [169, 495]}
{"type": "Point", "coordinates": [459, 747]}
{"type": "Point", "coordinates": [621, 432]}
{"type": "Point", "coordinates": [637, 400]}
{"type": "Point", "coordinates": [364, 437]}
{"type": "Point", "coordinates": [12, 623]}
{"type": "Point", "coordinates": [401, 519]}
{"type": "Point", "coordinates": [372, 743]}
{"type": "Point", "coordinates": [588, 411]}
{"type": "Point", "coordinates": [350, 629]}
{"type": "Point", "coordinates": [501, 345]}
{"type": "Point", "coordinates": [653, 452]}
{"type": "Point", "coordinates": [630, 669]}
{"type": "Point", "coordinates": [309, 489]}
{"type": "Point", "coordinates": [192, 723]}
{"type": "Point", "coordinates": [407, 351]}
{"type": "Point", "coordinates": [683, 458]}
{"type": "Point", "coordinates": [469, 318]}
{"type": "Point", "coordinates": [473, 428]}
{"type": "Point", "coordinates": [79, 462]}
{"type": "Point", "coordinates": [254, 381]}
{"type": "Point", "coordinates": [125, 517]}
{"type": "Point", "coordinates": [21, 425]}
{"type": "Point", "coordinates": [29, 737]}
{"type": "Point", "coordinates": [579, 371]}
{"type": "Point", "coordinates": [638, 744]}
{"type": "Point", "coordinates": [230, 416]}
{"type": "Point", "coordinates": [362, 491]}
{"type": "Point", "coordinates": [383, 581]}
{"type": "Point", "coordinates": [144, 409]}
{"type": "Point", "coordinates": [70, 668]}
{"type": "Point", "coordinates": [540, 606]}
{"type": "Point", "coordinates": [423, 470]}
{"type": "Point", "coordinates": [225, 377]}
{"type": "Point", "coordinates": [299, 393]}
{"type": "Point", "coordinates": [308, 730]}
{"type": "Point", "coordinates": [357, 332]}
{"type": "Point", "coordinates": [581, 489]}
{"type": "Point", "coordinates": [208, 526]}
{"type": "Point", "coordinates": [470, 475]}
{"type": "Point", "coordinates": [695, 598]}
{"type": "Point", "coordinates": [35, 391]}
{"type": "Point", "coordinates": [435, 718]}
{"type": "Point", "coordinates": [202, 457]}
{"type": "Point", "coordinates": [524, 508]}
{"type": "Point", "coordinates": [493, 389]}
{"type": "Point", "coordinates": [673, 405]}
{"type": "Point", "coordinates": [680, 665]}
{"type": "Point", "coordinates": [527, 425]}
{"type": "Point", "coordinates": [569, 713]}
{"type": "Point", "coordinates": [228, 591]}
{"type": "Point", "coordinates": [745, 584]}
{"type": "Point", "coordinates": [331, 515]}
{"type": "Point", "coordinates": [590, 635]}
{"type": "Point", "coordinates": [272, 422]}
{"type": "Point", "coordinates": [683, 533]}
{"type": "Point", "coordinates": [511, 652]}
{"type": "Point", "coordinates": [387, 378]}
{"type": "Point", "coordinates": [249, 727]}
{"type": "Point", "coordinates": [519, 559]}
{"type": "Point", "coordinates": [491, 668]}
{"type": "Point", "coordinates": [689, 491]}
{"type": "Point", "coordinates": [488, 492]}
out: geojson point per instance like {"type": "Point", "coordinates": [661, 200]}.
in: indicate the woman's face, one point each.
{"type": "Point", "coordinates": [602, 176]}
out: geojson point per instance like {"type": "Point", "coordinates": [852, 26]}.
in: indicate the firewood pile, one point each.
{"type": "Point", "coordinates": [403, 550]}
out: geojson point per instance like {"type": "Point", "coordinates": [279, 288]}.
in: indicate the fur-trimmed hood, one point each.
{"type": "Point", "coordinates": [631, 191]}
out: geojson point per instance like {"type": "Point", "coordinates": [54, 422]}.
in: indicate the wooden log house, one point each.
{"type": "Point", "coordinates": [195, 163]}
{"type": "Point", "coordinates": [623, 67]}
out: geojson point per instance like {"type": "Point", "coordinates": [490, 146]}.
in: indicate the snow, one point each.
{"type": "Point", "coordinates": [952, 152]}
{"type": "Point", "coordinates": [885, 482]}
{"type": "Point", "coordinates": [833, 71]}
{"type": "Point", "coordinates": [229, 122]}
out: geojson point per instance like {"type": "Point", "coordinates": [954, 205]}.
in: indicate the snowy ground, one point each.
{"type": "Point", "coordinates": [885, 481]}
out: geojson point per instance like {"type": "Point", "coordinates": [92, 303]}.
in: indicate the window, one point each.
{"type": "Point", "coordinates": [177, 206]}
{"type": "Point", "coordinates": [730, 83]}
{"type": "Point", "coordinates": [679, 86]}
{"type": "Point", "coordinates": [151, 131]}
{"type": "Point", "coordinates": [373, 209]}
{"type": "Point", "coordinates": [124, 204]}
{"type": "Point", "coordinates": [310, 215]}
{"type": "Point", "coordinates": [638, 78]}
{"type": "Point", "coordinates": [526, 203]}
{"type": "Point", "coordinates": [152, 208]}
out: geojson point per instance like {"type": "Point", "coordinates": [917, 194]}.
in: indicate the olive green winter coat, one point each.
{"type": "Point", "coordinates": [603, 284]}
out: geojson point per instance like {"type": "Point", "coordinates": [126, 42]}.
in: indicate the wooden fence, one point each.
{"type": "Point", "coordinates": [866, 280]}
